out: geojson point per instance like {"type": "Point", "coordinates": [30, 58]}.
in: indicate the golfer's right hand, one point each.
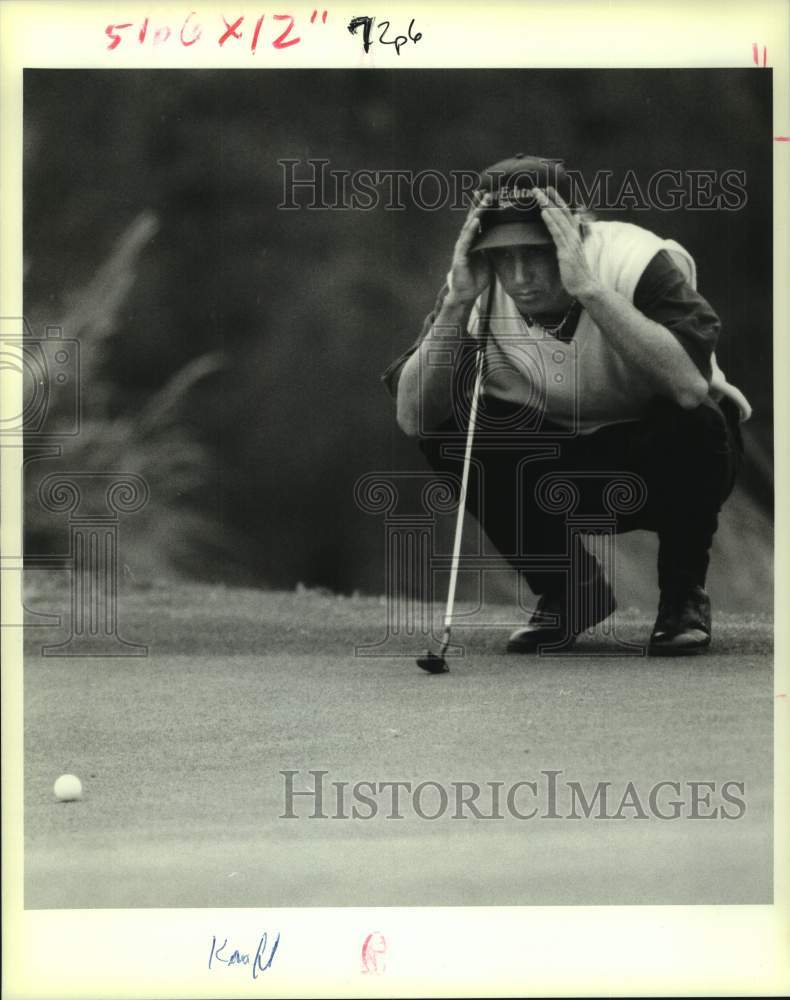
{"type": "Point", "coordinates": [470, 272]}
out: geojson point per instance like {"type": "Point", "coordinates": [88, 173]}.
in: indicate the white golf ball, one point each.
{"type": "Point", "coordinates": [68, 788]}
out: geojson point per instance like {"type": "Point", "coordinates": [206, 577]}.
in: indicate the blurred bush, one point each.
{"type": "Point", "coordinates": [308, 307]}
{"type": "Point", "coordinates": [150, 438]}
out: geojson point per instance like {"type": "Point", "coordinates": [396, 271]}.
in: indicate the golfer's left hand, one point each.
{"type": "Point", "coordinates": [565, 229]}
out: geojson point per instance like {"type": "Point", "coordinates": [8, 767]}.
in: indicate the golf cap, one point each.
{"type": "Point", "coordinates": [514, 217]}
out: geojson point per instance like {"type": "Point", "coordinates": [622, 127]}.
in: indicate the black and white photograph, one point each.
{"type": "Point", "coordinates": [396, 469]}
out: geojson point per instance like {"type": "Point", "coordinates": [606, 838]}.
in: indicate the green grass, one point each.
{"type": "Point", "coordinates": [179, 617]}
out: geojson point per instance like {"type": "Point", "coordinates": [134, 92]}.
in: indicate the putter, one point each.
{"type": "Point", "coordinates": [435, 663]}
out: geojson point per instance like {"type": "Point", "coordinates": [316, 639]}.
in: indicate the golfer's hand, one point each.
{"type": "Point", "coordinates": [470, 272]}
{"type": "Point", "coordinates": [565, 229]}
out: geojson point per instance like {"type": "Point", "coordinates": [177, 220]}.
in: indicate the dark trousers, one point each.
{"type": "Point", "coordinates": [685, 461]}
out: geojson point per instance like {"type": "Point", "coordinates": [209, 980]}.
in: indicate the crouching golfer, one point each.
{"type": "Point", "coordinates": [540, 282]}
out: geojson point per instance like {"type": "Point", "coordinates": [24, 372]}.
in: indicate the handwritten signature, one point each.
{"type": "Point", "coordinates": [221, 953]}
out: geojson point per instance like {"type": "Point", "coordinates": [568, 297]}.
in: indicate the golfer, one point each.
{"type": "Point", "coordinates": [599, 361]}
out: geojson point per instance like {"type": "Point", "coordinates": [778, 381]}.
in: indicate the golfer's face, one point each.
{"type": "Point", "coordinates": [531, 277]}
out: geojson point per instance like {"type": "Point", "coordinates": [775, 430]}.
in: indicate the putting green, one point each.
{"type": "Point", "coordinates": [180, 755]}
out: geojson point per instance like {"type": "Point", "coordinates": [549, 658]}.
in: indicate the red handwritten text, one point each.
{"type": "Point", "coordinates": [231, 33]}
{"type": "Point", "coordinates": [756, 56]}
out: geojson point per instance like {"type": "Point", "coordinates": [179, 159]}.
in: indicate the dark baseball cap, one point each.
{"type": "Point", "coordinates": [514, 217]}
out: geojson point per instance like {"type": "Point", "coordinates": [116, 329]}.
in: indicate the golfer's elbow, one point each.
{"type": "Point", "coordinates": [408, 406]}
{"type": "Point", "coordinates": [408, 419]}
{"type": "Point", "coordinates": [416, 414]}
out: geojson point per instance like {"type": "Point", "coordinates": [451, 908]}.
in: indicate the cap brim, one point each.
{"type": "Point", "coordinates": [511, 234]}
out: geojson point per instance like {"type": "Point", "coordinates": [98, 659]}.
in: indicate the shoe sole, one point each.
{"type": "Point", "coordinates": [677, 650]}
{"type": "Point", "coordinates": [547, 645]}
{"type": "Point", "coordinates": [554, 644]}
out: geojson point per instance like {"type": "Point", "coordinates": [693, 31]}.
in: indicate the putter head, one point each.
{"type": "Point", "coordinates": [433, 664]}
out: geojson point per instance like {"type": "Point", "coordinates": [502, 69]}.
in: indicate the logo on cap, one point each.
{"type": "Point", "coordinates": [516, 196]}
